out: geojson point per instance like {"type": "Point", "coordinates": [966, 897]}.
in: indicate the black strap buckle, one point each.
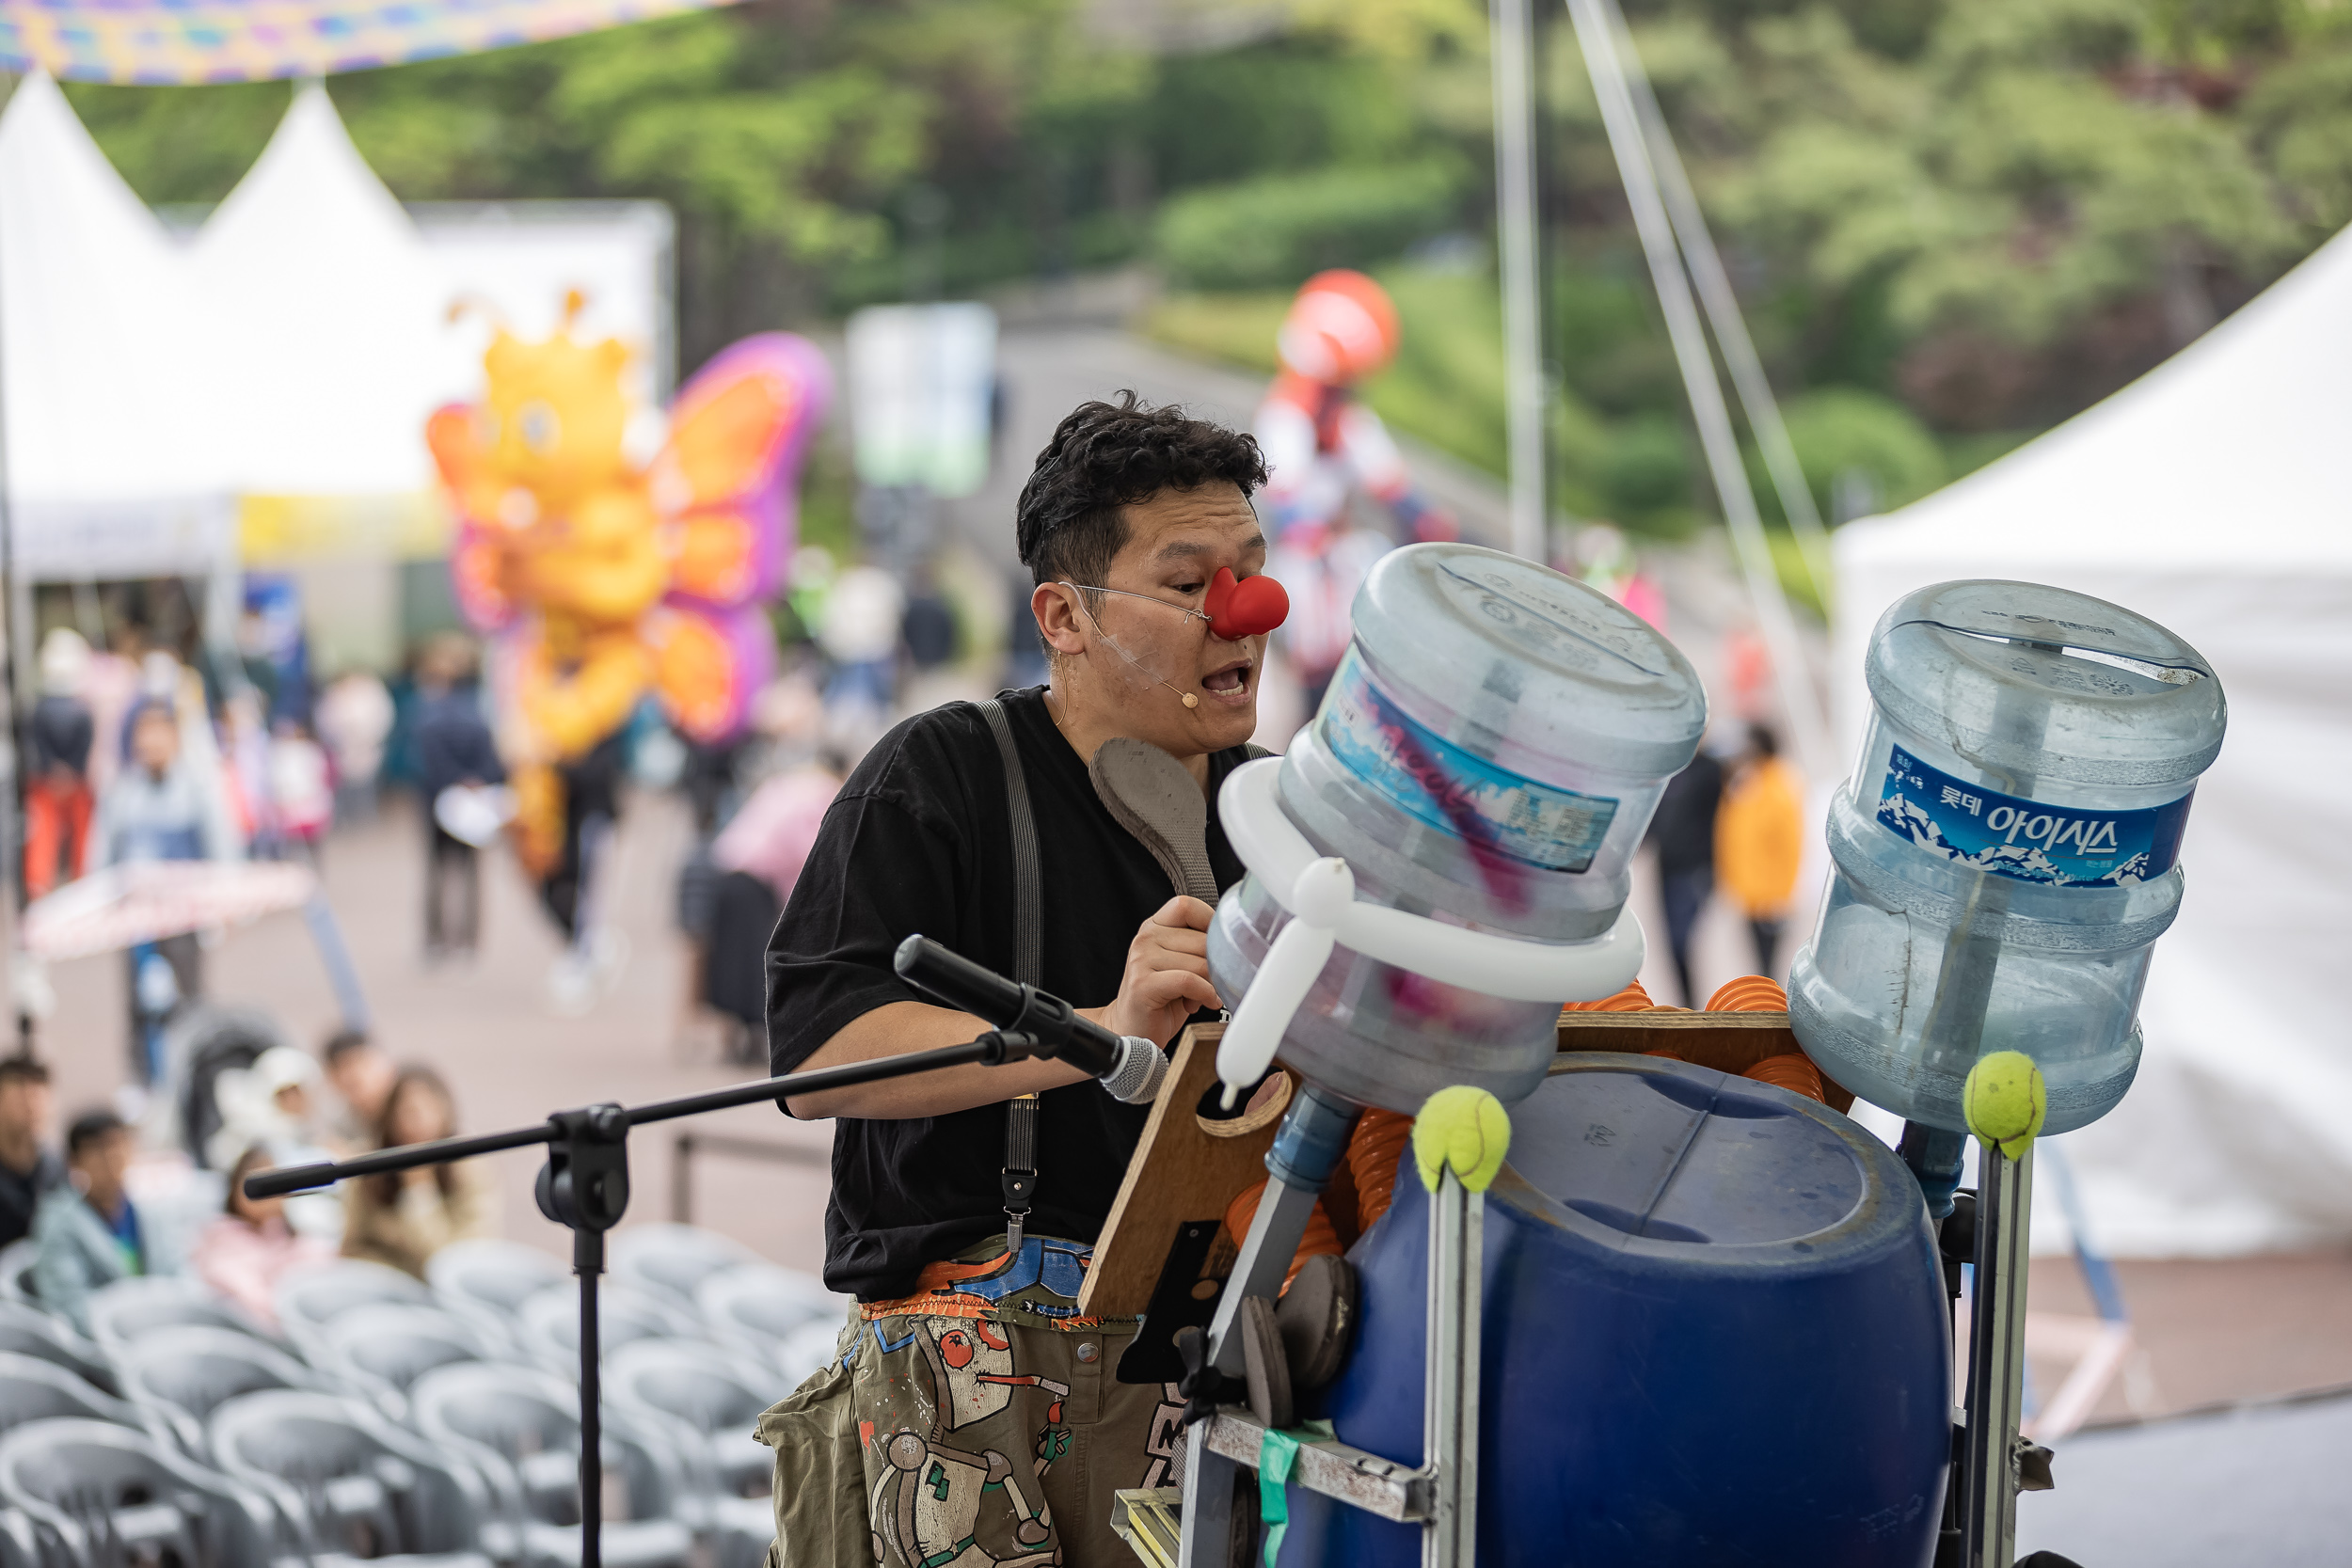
{"type": "Point", "coordinates": [1018, 1186]}
{"type": "Point", "coordinates": [1019, 1175]}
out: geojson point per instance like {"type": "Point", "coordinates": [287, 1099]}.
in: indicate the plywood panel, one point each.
{"type": "Point", "coordinates": [1179, 1172]}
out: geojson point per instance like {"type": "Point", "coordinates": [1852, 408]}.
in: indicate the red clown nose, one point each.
{"type": "Point", "coordinates": [1248, 607]}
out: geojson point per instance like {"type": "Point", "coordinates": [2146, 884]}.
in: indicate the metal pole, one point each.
{"type": "Point", "coordinates": [1805, 722]}
{"type": "Point", "coordinates": [1210, 1482]}
{"type": "Point", "coordinates": [682, 1179]}
{"type": "Point", "coordinates": [1996, 1357]}
{"type": "Point", "coordinates": [1522, 284]}
{"type": "Point", "coordinates": [1722, 313]}
{"type": "Point", "coordinates": [12, 832]}
{"type": "Point", "coordinates": [342, 975]}
{"type": "Point", "coordinates": [588, 1263]}
{"type": "Point", "coordinates": [1450, 1406]}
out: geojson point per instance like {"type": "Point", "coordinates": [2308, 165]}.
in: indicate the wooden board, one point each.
{"type": "Point", "coordinates": [1729, 1043]}
{"type": "Point", "coordinates": [1179, 1172]}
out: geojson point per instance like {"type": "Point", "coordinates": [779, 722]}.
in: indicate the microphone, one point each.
{"type": "Point", "coordinates": [1015, 1009]}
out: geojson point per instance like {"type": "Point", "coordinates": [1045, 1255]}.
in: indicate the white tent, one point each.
{"type": "Point", "coordinates": [2214, 495]}
{"type": "Point", "coordinates": [342, 346]}
{"type": "Point", "coordinates": [108, 464]}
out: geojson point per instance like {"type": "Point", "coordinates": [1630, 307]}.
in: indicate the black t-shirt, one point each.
{"type": "Point", "coordinates": [917, 841]}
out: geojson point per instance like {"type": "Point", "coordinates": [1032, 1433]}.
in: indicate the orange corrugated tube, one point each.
{"type": "Point", "coordinates": [1320, 1237]}
{"type": "Point", "coordinates": [1633, 998]}
{"type": "Point", "coordinates": [1791, 1070]}
{"type": "Point", "coordinates": [1373, 1153]}
{"type": "Point", "coordinates": [1749, 993]}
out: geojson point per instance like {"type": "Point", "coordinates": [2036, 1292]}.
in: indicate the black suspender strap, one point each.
{"type": "Point", "coordinates": [1018, 1177]}
{"type": "Point", "coordinates": [1029, 905]}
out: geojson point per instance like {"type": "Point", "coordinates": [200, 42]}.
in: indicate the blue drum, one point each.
{"type": "Point", "coordinates": [1715, 1334]}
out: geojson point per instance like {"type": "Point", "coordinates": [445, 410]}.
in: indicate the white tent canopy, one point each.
{"type": "Point", "coordinates": [2214, 495]}
{"type": "Point", "coordinates": [106, 456]}
{"type": "Point", "coordinates": [292, 350]}
{"type": "Point", "coordinates": [343, 346]}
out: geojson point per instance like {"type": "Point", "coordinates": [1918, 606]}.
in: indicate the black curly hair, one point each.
{"type": "Point", "coordinates": [1103, 457]}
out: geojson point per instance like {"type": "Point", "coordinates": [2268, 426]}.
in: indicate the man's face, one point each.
{"type": "Point", "coordinates": [1176, 542]}
{"type": "Point", "coordinates": [24, 1110]}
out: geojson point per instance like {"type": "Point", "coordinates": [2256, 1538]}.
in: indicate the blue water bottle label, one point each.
{"type": "Point", "coordinates": [2029, 840]}
{"type": "Point", "coordinates": [1448, 788]}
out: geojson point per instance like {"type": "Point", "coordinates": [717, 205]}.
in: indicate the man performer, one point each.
{"type": "Point", "coordinates": [970, 1414]}
{"type": "Point", "coordinates": [1323, 445]}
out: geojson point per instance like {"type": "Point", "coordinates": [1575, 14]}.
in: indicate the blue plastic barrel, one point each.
{"type": "Point", "coordinates": [1715, 1334]}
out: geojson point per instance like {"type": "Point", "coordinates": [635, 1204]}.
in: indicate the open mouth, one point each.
{"type": "Point", "coordinates": [1232, 682]}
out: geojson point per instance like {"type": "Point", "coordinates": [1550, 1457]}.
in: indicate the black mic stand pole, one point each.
{"type": "Point", "coordinates": [584, 1185]}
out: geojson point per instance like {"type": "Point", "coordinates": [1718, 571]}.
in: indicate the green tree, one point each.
{"type": "Point", "coordinates": [782, 135]}
{"type": "Point", "coordinates": [1963, 219]}
{"type": "Point", "coordinates": [2025, 201]}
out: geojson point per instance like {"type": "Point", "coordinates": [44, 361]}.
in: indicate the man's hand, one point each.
{"type": "Point", "coordinates": [1167, 978]}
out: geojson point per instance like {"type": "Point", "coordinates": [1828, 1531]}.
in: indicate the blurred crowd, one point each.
{"type": "Point", "coordinates": [108, 1204]}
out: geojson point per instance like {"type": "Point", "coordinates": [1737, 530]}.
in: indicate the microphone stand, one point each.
{"type": "Point", "coordinates": [584, 1185]}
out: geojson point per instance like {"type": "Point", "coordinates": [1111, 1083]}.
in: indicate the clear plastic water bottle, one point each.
{"type": "Point", "coordinates": [1489, 754]}
{"type": "Point", "coordinates": [2006, 850]}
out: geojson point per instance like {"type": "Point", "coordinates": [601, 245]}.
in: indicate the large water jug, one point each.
{"type": "Point", "coordinates": [2006, 850]}
{"type": "Point", "coordinates": [1488, 754]}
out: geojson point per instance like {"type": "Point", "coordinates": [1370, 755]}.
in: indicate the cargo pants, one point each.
{"type": "Point", "coordinates": [978, 1423]}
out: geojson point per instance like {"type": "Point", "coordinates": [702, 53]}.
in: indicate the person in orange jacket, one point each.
{"type": "Point", "coordinates": [1759, 840]}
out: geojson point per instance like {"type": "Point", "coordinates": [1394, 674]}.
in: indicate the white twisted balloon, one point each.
{"type": "Point", "coordinates": [1320, 895]}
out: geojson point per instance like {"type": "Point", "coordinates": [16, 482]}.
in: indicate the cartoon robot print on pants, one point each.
{"type": "Point", "coordinates": [929, 1503]}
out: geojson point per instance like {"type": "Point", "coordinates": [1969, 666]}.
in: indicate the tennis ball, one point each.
{"type": "Point", "coordinates": [1465, 1128]}
{"type": "Point", "coordinates": [2005, 1100]}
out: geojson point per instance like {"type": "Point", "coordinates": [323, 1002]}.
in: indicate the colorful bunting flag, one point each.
{"type": "Point", "coordinates": [164, 41]}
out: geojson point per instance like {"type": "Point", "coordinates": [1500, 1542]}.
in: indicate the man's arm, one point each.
{"type": "Point", "coordinates": [1165, 978]}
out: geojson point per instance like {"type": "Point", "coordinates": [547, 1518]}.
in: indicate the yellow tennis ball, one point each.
{"type": "Point", "coordinates": [2005, 1100]}
{"type": "Point", "coordinates": [1465, 1128]}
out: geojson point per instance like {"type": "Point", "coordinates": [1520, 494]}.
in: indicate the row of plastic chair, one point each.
{"type": "Point", "coordinates": [665, 1278]}
{"type": "Point", "coordinates": [391, 1418]}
